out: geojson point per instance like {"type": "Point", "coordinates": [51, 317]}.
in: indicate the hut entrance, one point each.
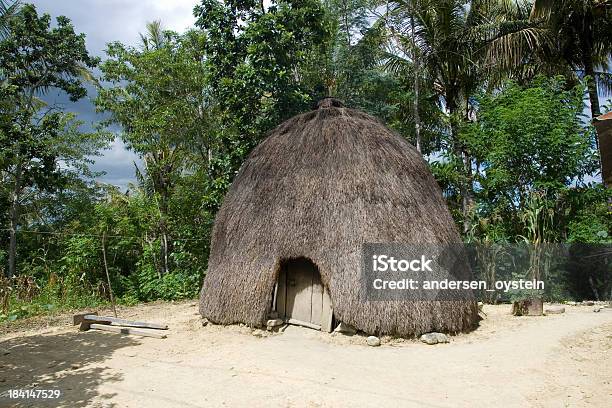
{"type": "Point", "coordinates": [301, 297]}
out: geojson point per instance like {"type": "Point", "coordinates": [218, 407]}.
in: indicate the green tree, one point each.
{"type": "Point", "coordinates": [7, 11]}
{"type": "Point", "coordinates": [36, 138]}
{"type": "Point", "coordinates": [580, 34]}
{"type": "Point", "coordinates": [529, 140]}
{"type": "Point", "coordinates": [254, 54]}
{"type": "Point", "coordinates": [347, 65]}
{"type": "Point", "coordinates": [565, 37]}
{"type": "Point", "coordinates": [441, 36]}
{"type": "Point", "coordinates": [458, 48]}
{"type": "Point", "coordinates": [158, 94]}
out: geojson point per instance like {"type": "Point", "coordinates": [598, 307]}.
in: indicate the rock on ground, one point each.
{"type": "Point", "coordinates": [434, 338]}
{"type": "Point", "coordinates": [259, 333]}
{"type": "Point", "coordinates": [273, 323]}
{"type": "Point", "coordinates": [554, 309]}
{"type": "Point", "coordinates": [373, 341]}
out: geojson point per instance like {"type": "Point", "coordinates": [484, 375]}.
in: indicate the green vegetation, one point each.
{"type": "Point", "coordinates": [492, 92]}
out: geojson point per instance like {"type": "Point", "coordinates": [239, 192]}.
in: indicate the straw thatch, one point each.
{"type": "Point", "coordinates": [319, 186]}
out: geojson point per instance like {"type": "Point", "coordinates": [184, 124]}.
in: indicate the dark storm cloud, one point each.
{"type": "Point", "coordinates": [104, 21]}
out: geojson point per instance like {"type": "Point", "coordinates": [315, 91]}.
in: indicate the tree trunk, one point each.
{"type": "Point", "coordinates": [468, 197]}
{"type": "Point", "coordinates": [469, 179]}
{"type": "Point", "coordinates": [592, 86]}
{"type": "Point", "coordinates": [163, 227]}
{"type": "Point", "coordinates": [466, 168]}
{"type": "Point", "coordinates": [165, 250]}
{"type": "Point", "coordinates": [161, 185]}
{"type": "Point", "coordinates": [108, 281]}
{"type": "Point", "coordinates": [415, 58]}
{"type": "Point", "coordinates": [347, 27]}
{"type": "Point", "coordinates": [528, 307]}
{"type": "Point", "coordinates": [14, 220]}
{"type": "Point", "coordinates": [595, 109]}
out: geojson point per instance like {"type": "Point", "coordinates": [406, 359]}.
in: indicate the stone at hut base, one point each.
{"type": "Point", "coordinates": [434, 338]}
{"type": "Point", "coordinates": [373, 341]}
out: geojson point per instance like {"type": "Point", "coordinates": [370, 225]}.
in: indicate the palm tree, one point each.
{"type": "Point", "coordinates": [518, 46]}
{"type": "Point", "coordinates": [155, 36]}
{"type": "Point", "coordinates": [462, 46]}
{"type": "Point", "coordinates": [7, 11]}
{"type": "Point", "coordinates": [567, 37]}
{"type": "Point", "coordinates": [439, 37]}
{"type": "Point", "coordinates": [581, 34]}
{"type": "Point", "coordinates": [572, 38]}
{"type": "Point", "coordinates": [161, 163]}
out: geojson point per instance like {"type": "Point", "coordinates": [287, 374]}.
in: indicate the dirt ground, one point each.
{"type": "Point", "coordinates": [551, 361]}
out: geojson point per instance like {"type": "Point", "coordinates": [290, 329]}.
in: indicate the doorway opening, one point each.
{"type": "Point", "coordinates": [301, 297]}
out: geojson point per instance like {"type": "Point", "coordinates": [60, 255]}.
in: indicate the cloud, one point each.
{"type": "Point", "coordinates": [118, 163]}
{"type": "Point", "coordinates": [104, 21]}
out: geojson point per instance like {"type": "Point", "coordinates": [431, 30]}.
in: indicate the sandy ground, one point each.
{"type": "Point", "coordinates": [552, 361]}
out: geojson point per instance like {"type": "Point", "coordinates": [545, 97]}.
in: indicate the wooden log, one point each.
{"type": "Point", "coordinates": [78, 318]}
{"type": "Point", "coordinates": [124, 322]}
{"type": "Point", "coordinates": [304, 324]}
{"type": "Point", "coordinates": [127, 330]}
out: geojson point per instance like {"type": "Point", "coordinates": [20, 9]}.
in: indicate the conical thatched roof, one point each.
{"type": "Point", "coordinates": [319, 186]}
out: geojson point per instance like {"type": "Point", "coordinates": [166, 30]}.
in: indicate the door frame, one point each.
{"type": "Point", "coordinates": [280, 298]}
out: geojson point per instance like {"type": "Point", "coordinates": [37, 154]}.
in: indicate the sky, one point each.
{"type": "Point", "coordinates": [104, 21]}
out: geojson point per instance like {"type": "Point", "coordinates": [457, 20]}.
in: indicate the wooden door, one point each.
{"type": "Point", "coordinates": [299, 291]}
{"type": "Point", "coordinates": [302, 299]}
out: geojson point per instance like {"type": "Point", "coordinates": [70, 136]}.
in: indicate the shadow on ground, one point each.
{"type": "Point", "coordinates": [71, 362]}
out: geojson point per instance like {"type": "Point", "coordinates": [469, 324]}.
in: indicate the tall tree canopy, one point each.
{"type": "Point", "coordinates": [37, 138]}
{"type": "Point", "coordinates": [580, 34]}
{"type": "Point", "coordinates": [158, 95]}
{"type": "Point", "coordinates": [254, 53]}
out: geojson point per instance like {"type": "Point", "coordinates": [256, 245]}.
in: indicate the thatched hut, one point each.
{"type": "Point", "coordinates": [288, 236]}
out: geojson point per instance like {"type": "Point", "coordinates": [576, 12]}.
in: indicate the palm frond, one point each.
{"type": "Point", "coordinates": [396, 64]}
{"type": "Point", "coordinates": [542, 9]}
{"type": "Point", "coordinates": [514, 41]}
{"type": "Point", "coordinates": [604, 83]}
{"type": "Point", "coordinates": [7, 12]}
{"type": "Point", "coordinates": [154, 36]}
